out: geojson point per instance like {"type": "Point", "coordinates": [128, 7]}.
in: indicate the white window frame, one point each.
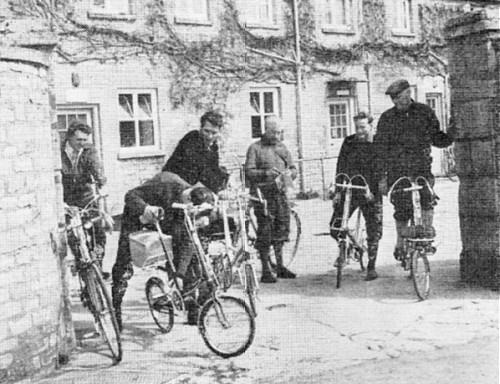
{"type": "Point", "coordinates": [192, 11]}
{"type": "Point", "coordinates": [346, 13]}
{"type": "Point", "coordinates": [348, 104]}
{"type": "Point", "coordinates": [137, 148]}
{"type": "Point", "coordinates": [403, 18]}
{"type": "Point", "coordinates": [110, 7]}
{"type": "Point", "coordinates": [260, 12]}
{"type": "Point", "coordinates": [263, 114]}
{"type": "Point", "coordinates": [437, 98]}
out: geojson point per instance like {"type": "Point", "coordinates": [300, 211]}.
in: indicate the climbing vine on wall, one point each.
{"type": "Point", "coordinates": [205, 72]}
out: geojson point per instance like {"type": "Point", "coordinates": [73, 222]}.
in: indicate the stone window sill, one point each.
{"type": "Point", "coordinates": [339, 30]}
{"type": "Point", "coordinates": [111, 16]}
{"type": "Point", "coordinates": [402, 33]}
{"type": "Point", "coordinates": [256, 25]}
{"type": "Point", "coordinates": [187, 20]}
{"type": "Point", "coordinates": [125, 154]}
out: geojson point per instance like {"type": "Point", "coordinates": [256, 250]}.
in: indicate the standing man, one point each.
{"type": "Point", "coordinates": [142, 206]}
{"type": "Point", "coordinates": [404, 137]}
{"type": "Point", "coordinates": [357, 157]}
{"type": "Point", "coordinates": [83, 177]}
{"type": "Point", "coordinates": [268, 159]}
{"type": "Point", "coordinates": [196, 157]}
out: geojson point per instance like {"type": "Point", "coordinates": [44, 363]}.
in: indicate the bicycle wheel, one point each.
{"type": "Point", "coordinates": [227, 326]}
{"type": "Point", "coordinates": [251, 287]}
{"type": "Point", "coordinates": [339, 263]}
{"type": "Point", "coordinates": [160, 304]}
{"type": "Point", "coordinates": [421, 273]}
{"type": "Point", "coordinates": [102, 309]}
{"type": "Point", "coordinates": [291, 247]}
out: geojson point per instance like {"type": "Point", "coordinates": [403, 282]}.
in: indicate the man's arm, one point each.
{"type": "Point", "coordinates": [438, 138]}
{"type": "Point", "coordinates": [252, 173]}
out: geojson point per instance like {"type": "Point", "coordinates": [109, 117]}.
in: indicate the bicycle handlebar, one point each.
{"type": "Point", "coordinates": [349, 184]}
{"type": "Point", "coordinates": [414, 186]}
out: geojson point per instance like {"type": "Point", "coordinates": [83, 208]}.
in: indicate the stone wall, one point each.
{"type": "Point", "coordinates": [474, 78]}
{"type": "Point", "coordinates": [30, 274]}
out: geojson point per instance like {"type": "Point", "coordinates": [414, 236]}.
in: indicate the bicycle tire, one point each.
{"type": "Point", "coordinates": [226, 340]}
{"type": "Point", "coordinates": [251, 288]}
{"type": "Point", "coordinates": [420, 273]}
{"type": "Point", "coordinates": [160, 304]}
{"type": "Point", "coordinates": [291, 247]}
{"type": "Point", "coordinates": [103, 312]}
{"type": "Point", "coordinates": [339, 264]}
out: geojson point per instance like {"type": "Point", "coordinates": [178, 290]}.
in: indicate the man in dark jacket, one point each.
{"type": "Point", "coordinates": [357, 157]}
{"type": "Point", "coordinates": [196, 157]}
{"type": "Point", "coordinates": [83, 177]}
{"type": "Point", "coordinates": [404, 137]}
{"type": "Point", "coordinates": [142, 205]}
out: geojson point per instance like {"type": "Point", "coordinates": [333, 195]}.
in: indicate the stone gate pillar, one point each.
{"type": "Point", "coordinates": [474, 41]}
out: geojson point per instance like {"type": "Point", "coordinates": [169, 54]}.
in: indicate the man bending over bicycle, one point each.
{"type": "Point", "coordinates": [356, 157]}
{"type": "Point", "coordinates": [142, 207]}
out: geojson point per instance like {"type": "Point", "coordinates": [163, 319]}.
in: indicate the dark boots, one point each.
{"type": "Point", "coordinates": [267, 274]}
{"type": "Point", "coordinates": [372, 258]}
{"type": "Point", "coordinates": [281, 270]}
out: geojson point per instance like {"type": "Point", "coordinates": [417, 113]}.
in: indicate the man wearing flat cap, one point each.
{"type": "Point", "coordinates": [405, 134]}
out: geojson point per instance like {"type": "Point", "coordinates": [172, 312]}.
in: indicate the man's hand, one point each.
{"type": "Point", "coordinates": [294, 173]}
{"type": "Point", "coordinates": [272, 173]}
{"type": "Point", "coordinates": [109, 223]}
{"type": "Point", "coordinates": [383, 186]}
{"type": "Point", "coordinates": [336, 199]}
{"type": "Point", "coordinates": [150, 215]}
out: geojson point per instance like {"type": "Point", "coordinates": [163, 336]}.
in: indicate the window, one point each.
{"type": "Point", "coordinates": [137, 120]}
{"type": "Point", "coordinates": [66, 117]}
{"type": "Point", "coordinates": [340, 119]}
{"type": "Point", "coordinates": [261, 12]}
{"type": "Point", "coordinates": [339, 14]}
{"type": "Point", "coordinates": [117, 7]}
{"type": "Point", "coordinates": [262, 103]}
{"type": "Point", "coordinates": [191, 11]}
{"type": "Point", "coordinates": [403, 17]}
{"type": "Point", "coordinates": [435, 101]}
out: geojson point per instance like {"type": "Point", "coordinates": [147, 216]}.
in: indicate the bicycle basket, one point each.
{"type": "Point", "coordinates": [146, 249]}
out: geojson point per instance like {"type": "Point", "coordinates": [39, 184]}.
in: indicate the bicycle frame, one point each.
{"type": "Point", "coordinates": [415, 247]}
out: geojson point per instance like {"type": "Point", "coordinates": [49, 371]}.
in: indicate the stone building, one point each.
{"type": "Point", "coordinates": [137, 120]}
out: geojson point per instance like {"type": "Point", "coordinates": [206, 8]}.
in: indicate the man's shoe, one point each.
{"type": "Point", "coordinates": [371, 275]}
{"type": "Point", "coordinates": [285, 273]}
{"type": "Point", "coordinates": [399, 254]}
{"type": "Point", "coordinates": [268, 277]}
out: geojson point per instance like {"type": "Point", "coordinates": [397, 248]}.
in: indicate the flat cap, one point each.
{"type": "Point", "coordinates": [397, 87]}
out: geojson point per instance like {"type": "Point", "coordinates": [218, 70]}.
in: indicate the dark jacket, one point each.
{"type": "Point", "coordinates": [162, 190]}
{"type": "Point", "coordinates": [359, 158]}
{"type": "Point", "coordinates": [404, 140]}
{"type": "Point", "coordinates": [78, 183]}
{"type": "Point", "coordinates": [194, 162]}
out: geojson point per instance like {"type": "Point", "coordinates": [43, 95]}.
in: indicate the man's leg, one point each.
{"type": "Point", "coordinates": [263, 242]}
{"type": "Point", "coordinates": [373, 214]}
{"type": "Point", "coordinates": [281, 270]}
{"type": "Point", "coordinates": [100, 240]}
{"type": "Point", "coordinates": [281, 232]}
{"type": "Point", "coordinates": [403, 212]}
{"type": "Point", "coordinates": [122, 272]}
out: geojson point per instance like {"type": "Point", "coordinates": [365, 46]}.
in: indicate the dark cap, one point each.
{"type": "Point", "coordinates": [397, 87]}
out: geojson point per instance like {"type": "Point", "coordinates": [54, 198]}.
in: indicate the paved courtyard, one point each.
{"type": "Point", "coordinates": [310, 332]}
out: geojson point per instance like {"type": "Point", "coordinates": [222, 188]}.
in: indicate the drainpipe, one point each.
{"type": "Point", "coordinates": [298, 95]}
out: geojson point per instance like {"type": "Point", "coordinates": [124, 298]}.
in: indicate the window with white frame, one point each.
{"type": "Point", "coordinates": [137, 119]}
{"type": "Point", "coordinates": [340, 119]}
{"type": "Point", "coordinates": [435, 101]}
{"type": "Point", "coordinates": [339, 14]}
{"type": "Point", "coordinates": [261, 12]}
{"type": "Point", "coordinates": [403, 16]}
{"type": "Point", "coordinates": [192, 10]}
{"type": "Point", "coordinates": [117, 7]}
{"type": "Point", "coordinates": [263, 102]}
